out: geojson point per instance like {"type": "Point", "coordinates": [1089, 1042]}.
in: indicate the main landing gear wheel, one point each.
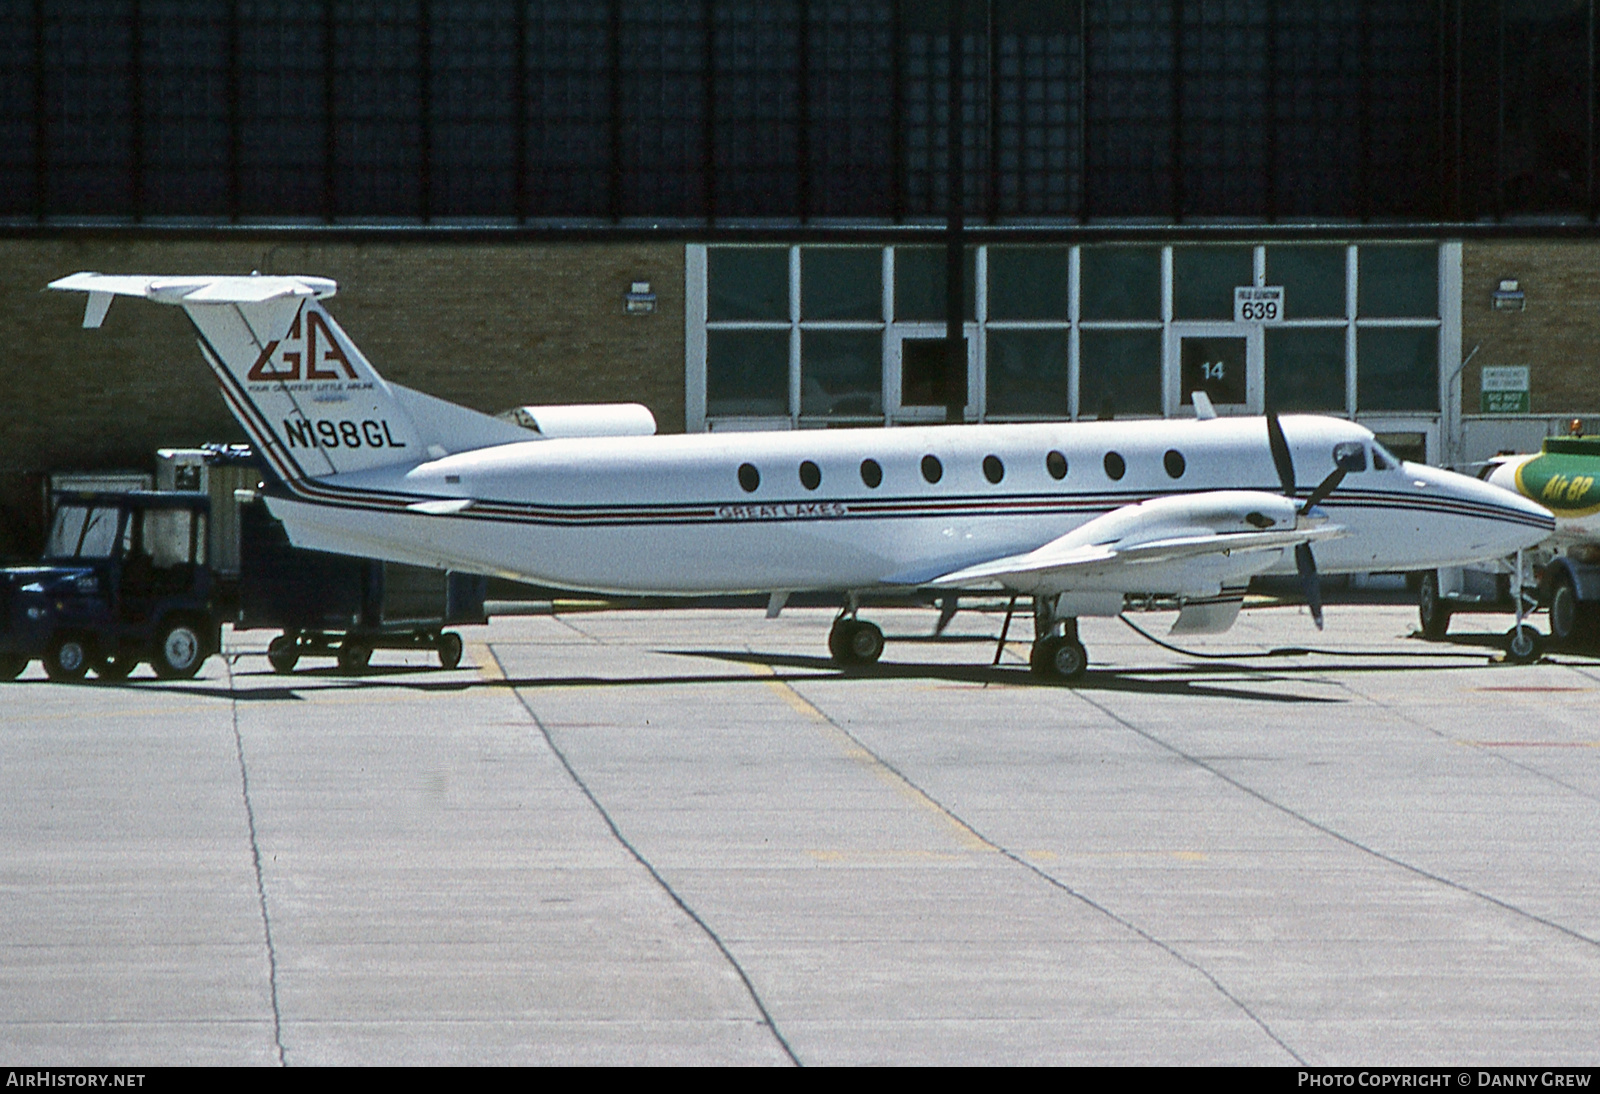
{"type": "Point", "coordinates": [855, 642]}
{"type": "Point", "coordinates": [1432, 609]}
{"type": "Point", "coordinates": [180, 651]}
{"type": "Point", "coordinates": [67, 659]}
{"type": "Point", "coordinates": [11, 665]}
{"type": "Point", "coordinates": [1523, 645]}
{"type": "Point", "coordinates": [283, 654]}
{"type": "Point", "coordinates": [1058, 658]}
{"type": "Point", "coordinates": [449, 649]}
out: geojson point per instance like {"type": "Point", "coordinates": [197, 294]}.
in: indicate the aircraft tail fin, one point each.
{"type": "Point", "coordinates": [304, 392]}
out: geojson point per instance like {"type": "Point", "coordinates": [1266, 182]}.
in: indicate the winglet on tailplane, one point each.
{"type": "Point", "coordinates": [307, 396]}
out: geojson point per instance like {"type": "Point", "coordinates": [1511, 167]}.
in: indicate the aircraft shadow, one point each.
{"type": "Point", "coordinates": [1216, 677]}
{"type": "Point", "coordinates": [1018, 676]}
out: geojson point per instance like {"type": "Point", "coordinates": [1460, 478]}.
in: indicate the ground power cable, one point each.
{"type": "Point", "coordinates": [638, 856]}
{"type": "Point", "coordinates": [255, 854]}
{"type": "Point", "coordinates": [1053, 881]}
{"type": "Point", "coordinates": [1283, 651]}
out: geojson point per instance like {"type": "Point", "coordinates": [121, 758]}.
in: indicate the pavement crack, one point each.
{"type": "Point", "coordinates": [1333, 833]}
{"type": "Point", "coordinates": [255, 855]}
{"type": "Point", "coordinates": [1510, 761]}
{"type": "Point", "coordinates": [649, 867]}
{"type": "Point", "coordinates": [976, 835]}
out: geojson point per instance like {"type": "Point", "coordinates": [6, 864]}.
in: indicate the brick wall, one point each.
{"type": "Point", "coordinates": [1558, 334]}
{"type": "Point", "coordinates": [489, 326]}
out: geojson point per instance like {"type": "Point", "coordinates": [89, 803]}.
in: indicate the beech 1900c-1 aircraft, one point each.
{"type": "Point", "coordinates": [1075, 515]}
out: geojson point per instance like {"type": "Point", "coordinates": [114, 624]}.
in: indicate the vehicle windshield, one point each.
{"type": "Point", "coordinates": [81, 531]}
{"type": "Point", "coordinates": [1382, 458]}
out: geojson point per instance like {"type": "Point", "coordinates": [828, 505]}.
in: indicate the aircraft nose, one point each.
{"type": "Point", "coordinates": [1505, 521]}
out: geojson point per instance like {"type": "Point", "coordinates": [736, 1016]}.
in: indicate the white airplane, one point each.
{"type": "Point", "coordinates": [1075, 515]}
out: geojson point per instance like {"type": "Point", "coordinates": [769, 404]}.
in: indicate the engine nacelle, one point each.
{"type": "Point", "coordinates": [584, 420]}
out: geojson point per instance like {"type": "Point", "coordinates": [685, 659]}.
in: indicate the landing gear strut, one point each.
{"type": "Point", "coordinates": [854, 641]}
{"type": "Point", "coordinates": [1523, 643]}
{"type": "Point", "coordinates": [1057, 653]}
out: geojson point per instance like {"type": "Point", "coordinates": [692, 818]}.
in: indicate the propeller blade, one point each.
{"type": "Point", "coordinates": [1324, 488]}
{"type": "Point", "coordinates": [1309, 582]}
{"type": "Point", "coordinates": [1280, 454]}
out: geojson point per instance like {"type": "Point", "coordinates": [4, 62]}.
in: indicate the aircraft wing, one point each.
{"type": "Point", "coordinates": [1186, 544]}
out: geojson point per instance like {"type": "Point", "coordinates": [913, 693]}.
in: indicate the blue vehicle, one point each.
{"type": "Point", "coordinates": [123, 580]}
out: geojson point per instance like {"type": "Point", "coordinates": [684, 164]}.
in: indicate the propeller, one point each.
{"type": "Point", "coordinates": [1303, 559]}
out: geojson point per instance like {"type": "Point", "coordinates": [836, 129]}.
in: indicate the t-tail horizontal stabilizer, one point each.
{"type": "Point", "coordinates": [306, 394]}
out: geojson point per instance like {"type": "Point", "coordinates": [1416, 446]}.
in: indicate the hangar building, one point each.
{"type": "Point", "coordinates": [763, 215]}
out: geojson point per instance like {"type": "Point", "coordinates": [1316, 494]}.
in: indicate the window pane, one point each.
{"type": "Point", "coordinates": [841, 374]}
{"type": "Point", "coordinates": [1027, 372]}
{"type": "Point", "coordinates": [1119, 371]}
{"type": "Point", "coordinates": [919, 283]}
{"type": "Point", "coordinates": [747, 283]}
{"type": "Point", "coordinates": [1203, 280]}
{"type": "Point", "coordinates": [1121, 283]}
{"type": "Point", "coordinates": [1305, 369]}
{"type": "Point", "coordinates": [1028, 283]}
{"type": "Point", "coordinates": [99, 534]}
{"type": "Point", "coordinates": [66, 531]}
{"type": "Point", "coordinates": [747, 372]}
{"type": "Point", "coordinates": [841, 283]}
{"type": "Point", "coordinates": [1397, 368]}
{"type": "Point", "coordinates": [1397, 281]}
{"type": "Point", "coordinates": [1312, 279]}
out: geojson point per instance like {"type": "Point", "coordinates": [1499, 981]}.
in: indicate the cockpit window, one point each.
{"type": "Point", "coordinates": [1350, 455]}
{"type": "Point", "coordinates": [1382, 458]}
{"type": "Point", "coordinates": [82, 532]}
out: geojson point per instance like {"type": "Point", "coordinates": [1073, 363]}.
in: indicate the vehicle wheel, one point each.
{"type": "Point", "coordinates": [116, 666]}
{"type": "Point", "coordinates": [283, 654]}
{"type": "Point", "coordinates": [855, 642]}
{"type": "Point", "coordinates": [1432, 609]}
{"type": "Point", "coordinates": [449, 649]}
{"type": "Point", "coordinates": [1058, 659]}
{"type": "Point", "coordinates": [67, 659]}
{"type": "Point", "coordinates": [11, 665]}
{"type": "Point", "coordinates": [180, 651]}
{"type": "Point", "coordinates": [1563, 607]}
{"type": "Point", "coordinates": [354, 656]}
{"type": "Point", "coordinates": [1523, 645]}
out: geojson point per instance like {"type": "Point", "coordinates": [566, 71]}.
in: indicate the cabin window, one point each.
{"type": "Point", "coordinates": [871, 473]}
{"type": "Point", "coordinates": [1116, 466]}
{"type": "Point", "coordinates": [810, 475]}
{"type": "Point", "coordinates": [932, 469]}
{"type": "Point", "coordinates": [749, 477]}
{"type": "Point", "coordinates": [1174, 462]}
{"type": "Point", "coordinates": [993, 469]}
{"type": "Point", "coordinates": [1056, 464]}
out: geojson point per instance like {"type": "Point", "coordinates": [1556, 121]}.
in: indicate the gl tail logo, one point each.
{"type": "Point", "coordinates": [300, 353]}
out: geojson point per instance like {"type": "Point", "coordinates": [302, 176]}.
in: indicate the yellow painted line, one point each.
{"type": "Point", "coordinates": [884, 856]}
{"type": "Point", "coordinates": [483, 657]}
{"type": "Point", "coordinates": [1036, 855]}
{"type": "Point", "coordinates": [1181, 856]}
{"type": "Point", "coordinates": [968, 839]}
{"type": "Point", "coordinates": [1530, 744]}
